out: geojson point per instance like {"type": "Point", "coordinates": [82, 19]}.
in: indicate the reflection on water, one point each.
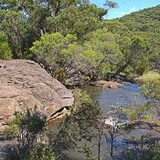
{"type": "Point", "coordinates": [123, 96]}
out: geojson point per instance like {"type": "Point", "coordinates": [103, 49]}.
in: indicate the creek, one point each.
{"type": "Point", "coordinates": [123, 96]}
{"type": "Point", "coordinates": [108, 98]}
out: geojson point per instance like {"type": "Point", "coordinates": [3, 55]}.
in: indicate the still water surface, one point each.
{"type": "Point", "coordinates": [116, 97]}
{"type": "Point", "coordinates": [107, 99]}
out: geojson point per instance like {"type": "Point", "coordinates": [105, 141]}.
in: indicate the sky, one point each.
{"type": "Point", "coordinates": [126, 6]}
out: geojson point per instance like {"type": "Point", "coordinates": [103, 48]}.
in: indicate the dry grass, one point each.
{"type": "Point", "coordinates": [148, 77]}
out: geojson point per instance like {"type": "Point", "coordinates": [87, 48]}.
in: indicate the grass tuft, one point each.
{"type": "Point", "coordinates": [148, 77]}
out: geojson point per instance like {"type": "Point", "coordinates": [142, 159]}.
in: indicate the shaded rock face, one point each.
{"type": "Point", "coordinates": [24, 84]}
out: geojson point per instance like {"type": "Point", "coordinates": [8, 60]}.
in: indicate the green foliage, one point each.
{"type": "Point", "coordinates": [43, 152]}
{"type": "Point", "coordinates": [145, 23]}
{"type": "Point", "coordinates": [78, 127]}
{"type": "Point", "coordinates": [77, 20]}
{"type": "Point", "coordinates": [134, 48]}
{"type": "Point", "coordinates": [87, 152]}
{"type": "Point", "coordinates": [27, 122]}
{"type": "Point", "coordinates": [56, 52]}
{"type": "Point", "coordinates": [85, 114]}
{"type": "Point", "coordinates": [26, 21]}
{"type": "Point", "coordinates": [5, 51]}
{"type": "Point", "coordinates": [16, 29]}
{"type": "Point", "coordinates": [148, 77]}
{"type": "Point", "coordinates": [25, 127]}
{"type": "Point", "coordinates": [117, 28]}
{"type": "Point", "coordinates": [135, 21]}
{"type": "Point", "coordinates": [142, 150]}
{"type": "Point", "coordinates": [101, 53]}
{"type": "Point", "coordinates": [137, 112]}
{"type": "Point", "coordinates": [98, 55]}
{"type": "Point", "coordinates": [136, 53]}
{"type": "Point", "coordinates": [152, 91]}
{"type": "Point", "coordinates": [81, 97]}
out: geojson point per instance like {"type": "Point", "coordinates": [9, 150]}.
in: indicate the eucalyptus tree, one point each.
{"type": "Point", "coordinates": [102, 53]}
{"type": "Point", "coordinates": [57, 53]}
{"type": "Point", "coordinates": [25, 21]}
{"type": "Point", "coordinates": [77, 20]}
{"type": "Point", "coordinates": [64, 56]}
{"type": "Point", "coordinates": [134, 53]}
{"type": "Point", "coordinates": [15, 29]}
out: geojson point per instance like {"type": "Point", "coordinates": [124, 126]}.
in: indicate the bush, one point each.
{"type": "Point", "coordinates": [24, 129]}
{"type": "Point", "coordinates": [5, 51]}
{"type": "Point", "coordinates": [149, 77]}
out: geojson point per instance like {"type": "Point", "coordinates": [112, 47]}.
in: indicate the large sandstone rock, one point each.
{"type": "Point", "coordinates": [24, 83]}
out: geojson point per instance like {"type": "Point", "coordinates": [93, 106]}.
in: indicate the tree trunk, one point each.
{"type": "Point", "coordinates": [122, 68]}
{"type": "Point", "coordinates": [99, 147]}
{"type": "Point", "coordinates": [111, 152]}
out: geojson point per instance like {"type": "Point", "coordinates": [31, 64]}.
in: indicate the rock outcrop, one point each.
{"type": "Point", "coordinates": [24, 84]}
{"type": "Point", "coordinates": [106, 84]}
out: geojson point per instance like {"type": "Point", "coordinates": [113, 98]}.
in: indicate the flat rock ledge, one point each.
{"type": "Point", "coordinates": [106, 84]}
{"type": "Point", "coordinates": [25, 84]}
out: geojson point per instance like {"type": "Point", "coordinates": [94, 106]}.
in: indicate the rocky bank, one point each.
{"type": "Point", "coordinates": [106, 84]}
{"type": "Point", "coordinates": [24, 84]}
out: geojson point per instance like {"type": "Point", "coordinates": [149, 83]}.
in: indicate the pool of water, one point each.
{"type": "Point", "coordinates": [107, 99]}
{"type": "Point", "coordinates": [117, 97]}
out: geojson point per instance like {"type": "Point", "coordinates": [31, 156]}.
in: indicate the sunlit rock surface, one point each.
{"type": "Point", "coordinates": [24, 84]}
{"type": "Point", "coordinates": [106, 84]}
